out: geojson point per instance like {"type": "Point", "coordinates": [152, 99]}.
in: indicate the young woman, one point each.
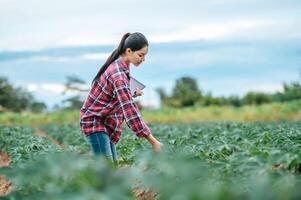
{"type": "Point", "coordinates": [109, 101]}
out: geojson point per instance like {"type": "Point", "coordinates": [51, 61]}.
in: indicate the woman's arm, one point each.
{"type": "Point", "coordinates": [154, 142]}
{"type": "Point", "coordinates": [130, 112]}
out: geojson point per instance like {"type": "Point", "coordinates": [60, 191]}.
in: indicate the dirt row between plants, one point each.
{"type": "Point", "coordinates": [41, 133]}
{"type": "Point", "coordinates": [145, 194]}
{"type": "Point", "coordinates": [5, 186]}
{"type": "Point", "coordinates": [5, 160]}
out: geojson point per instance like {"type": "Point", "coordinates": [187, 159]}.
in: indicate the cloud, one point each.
{"type": "Point", "coordinates": [210, 31]}
{"type": "Point", "coordinates": [239, 86]}
{"type": "Point", "coordinates": [45, 58]}
{"type": "Point", "coordinates": [55, 88]}
{"type": "Point", "coordinates": [55, 23]}
{"type": "Point", "coordinates": [192, 31]}
{"type": "Point", "coordinates": [48, 89]}
{"type": "Point", "coordinates": [95, 56]}
{"type": "Point", "coordinates": [213, 40]}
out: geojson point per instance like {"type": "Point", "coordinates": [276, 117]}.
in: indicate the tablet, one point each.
{"type": "Point", "coordinates": [134, 83]}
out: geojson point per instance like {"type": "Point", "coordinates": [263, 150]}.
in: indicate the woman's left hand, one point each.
{"type": "Point", "coordinates": [138, 92]}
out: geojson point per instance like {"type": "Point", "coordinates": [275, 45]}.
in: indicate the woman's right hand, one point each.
{"type": "Point", "coordinates": [157, 146]}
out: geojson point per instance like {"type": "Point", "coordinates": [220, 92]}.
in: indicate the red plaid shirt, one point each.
{"type": "Point", "coordinates": [109, 102]}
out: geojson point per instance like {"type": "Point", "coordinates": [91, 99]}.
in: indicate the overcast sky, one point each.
{"type": "Point", "coordinates": [229, 46]}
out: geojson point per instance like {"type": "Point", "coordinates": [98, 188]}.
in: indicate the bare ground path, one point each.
{"type": "Point", "coordinates": [5, 186]}
{"type": "Point", "coordinates": [41, 133]}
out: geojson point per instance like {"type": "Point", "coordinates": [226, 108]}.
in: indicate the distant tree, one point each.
{"type": "Point", "coordinates": [21, 100]}
{"type": "Point", "coordinates": [257, 98]}
{"type": "Point", "coordinates": [75, 84]}
{"type": "Point", "coordinates": [165, 99]}
{"type": "Point", "coordinates": [74, 102]}
{"type": "Point", "coordinates": [291, 91]}
{"type": "Point", "coordinates": [38, 107]}
{"type": "Point", "coordinates": [6, 92]}
{"type": "Point", "coordinates": [78, 87]}
{"type": "Point", "coordinates": [235, 101]}
{"type": "Point", "coordinates": [186, 91]}
{"type": "Point", "coordinates": [15, 99]}
{"type": "Point", "coordinates": [208, 99]}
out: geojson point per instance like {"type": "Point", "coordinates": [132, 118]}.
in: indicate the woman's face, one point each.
{"type": "Point", "coordinates": [137, 57]}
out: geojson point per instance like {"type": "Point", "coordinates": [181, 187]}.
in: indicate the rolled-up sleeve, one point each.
{"type": "Point", "coordinates": [129, 109]}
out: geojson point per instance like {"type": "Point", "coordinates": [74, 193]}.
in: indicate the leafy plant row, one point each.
{"type": "Point", "coordinates": [20, 143]}
{"type": "Point", "coordinates": [199, 161]}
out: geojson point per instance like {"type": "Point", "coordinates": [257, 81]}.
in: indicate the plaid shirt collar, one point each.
{"type": "Point", "coordinates": [123, 65]}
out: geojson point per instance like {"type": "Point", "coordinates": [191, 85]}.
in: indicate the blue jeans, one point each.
{"type": "Point", "coordinates": [102, 146]}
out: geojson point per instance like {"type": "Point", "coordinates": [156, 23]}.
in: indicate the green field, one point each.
{"type": "Point", "coordinates": [250, 152]}
{"type": "Point", "coordinates": [290, 111]}
{"type": "Point", "coordinates": [217, 160]}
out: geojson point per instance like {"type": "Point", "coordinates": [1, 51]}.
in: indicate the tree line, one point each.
{"type": "Point", "coordinates": [17, 99]}
{"type": "Point", "coordinates": [187, 93]}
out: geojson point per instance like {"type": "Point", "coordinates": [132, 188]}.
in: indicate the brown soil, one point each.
{"type": "Point", "coordinates": [279, 166]}
{"type": "Point", "coordinates": [145, 194]}
{"type": "Point", "coordinates": [5, 186]}
{"type": "Point", "coordinates": [4, 159]}
{"type": "Point", "coordinates": [43, 134]}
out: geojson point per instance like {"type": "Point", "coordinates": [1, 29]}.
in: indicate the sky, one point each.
{"type": "Point", "coordinates": [230, 47]}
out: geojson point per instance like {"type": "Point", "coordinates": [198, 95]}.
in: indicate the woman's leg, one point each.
{"type": "Point", "coordinates": [114, 153]}
{"type": "Point", "coordinates": [101, 145]}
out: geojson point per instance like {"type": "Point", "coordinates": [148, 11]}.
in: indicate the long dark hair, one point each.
{"type": "Point", "coordinates": [134, 41]}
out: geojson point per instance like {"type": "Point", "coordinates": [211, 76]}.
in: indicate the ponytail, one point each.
{"type": "Point", "coordinates": [115, 54]}
{"type": "Point", "coordinates": [134, 41]}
